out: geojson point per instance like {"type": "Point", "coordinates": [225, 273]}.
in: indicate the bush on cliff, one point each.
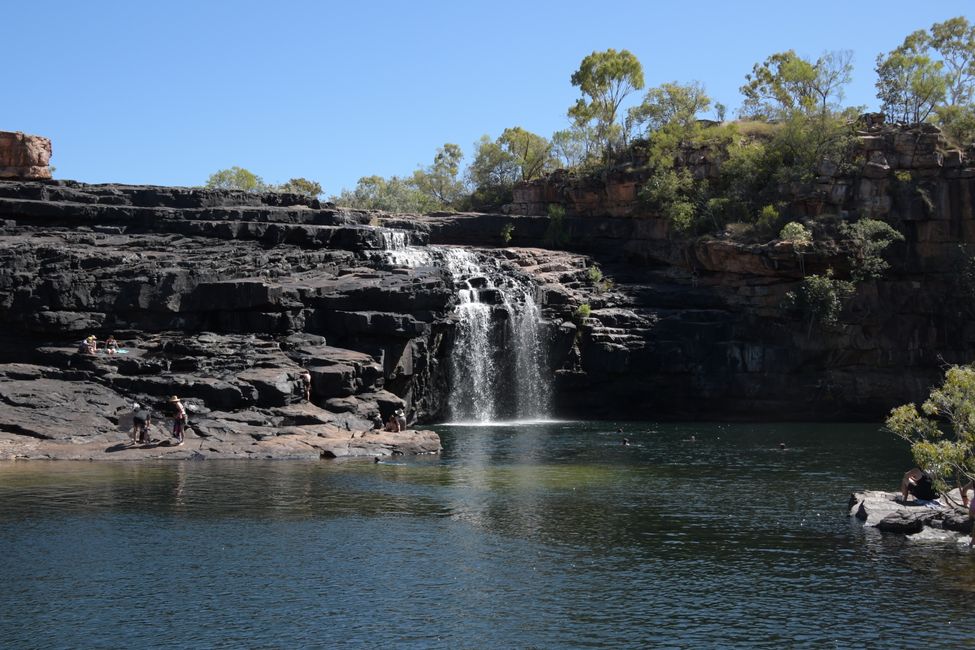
{"type": "Point", "coordinates": [868, 239]}
{"type": "Point", "coordinates": [820, 299]}
{"type": "Point", "coordinates": [237, 178]}
{"type": "Point", "coordinates": [796, 233]}
{"type": "Point", "coordinates": [311, 189]}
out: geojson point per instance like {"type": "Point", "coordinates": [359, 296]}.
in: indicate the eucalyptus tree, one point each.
{"type": "Point", "coordinates": [785, 84]}
{"type": "Point", "coordinates": [605, 80]}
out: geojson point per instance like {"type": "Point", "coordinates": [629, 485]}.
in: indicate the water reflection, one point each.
{"type": "Point", "coordinates": [547, 535]}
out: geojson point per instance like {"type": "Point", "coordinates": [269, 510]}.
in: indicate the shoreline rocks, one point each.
{"type": "Point", "coordinates": [935, 521]}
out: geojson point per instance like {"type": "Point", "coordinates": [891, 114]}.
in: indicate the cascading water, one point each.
{"type": "Point", "coordinates": [498, 362]}
{"type": "Point", "coordinates": [498, 357]}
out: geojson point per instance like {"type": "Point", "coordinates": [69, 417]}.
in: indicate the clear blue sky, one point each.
{"type": "Point", "coordinates": [169, 92]}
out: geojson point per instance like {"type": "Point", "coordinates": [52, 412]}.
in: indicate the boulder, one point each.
{"type": "Point", "coordinates": [24, 156]}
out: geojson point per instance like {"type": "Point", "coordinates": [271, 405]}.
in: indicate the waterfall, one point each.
{"type": "Point", "coordinates": [498, 361]}
{"type": "Point", "coordinates": [398, 252]}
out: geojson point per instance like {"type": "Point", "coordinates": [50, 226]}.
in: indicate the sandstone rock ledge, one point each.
{"type": "Point", "coordinates": [84, 412]}
{"type": "Point", "coordinates": [919, 522]}
{"type": "Point", "coordinates": [297, 445]}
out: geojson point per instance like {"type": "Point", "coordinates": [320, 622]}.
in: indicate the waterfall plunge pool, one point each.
{"type": "Point", "coordinates": [547, 536]}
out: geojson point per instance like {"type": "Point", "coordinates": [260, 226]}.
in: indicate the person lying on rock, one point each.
{"type": "Point", "coordinates": [918, 483]}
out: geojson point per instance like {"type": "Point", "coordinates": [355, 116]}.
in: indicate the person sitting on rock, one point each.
{"type": "Point", "coordinates": [306, 384]}
{"type": "Point", "coordinates": [392, 424]}
{"type": "Point", "coordinates": [89, 346]}
{"type": "Point", "coordinates": [179, 418]}
{"type": "Point", "coordinates": [111, 345]}
{"type": "Point", "coordinates": [918, 483]}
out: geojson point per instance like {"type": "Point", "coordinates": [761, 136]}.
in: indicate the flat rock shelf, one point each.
{"type": "Point", "coordinates": [936, 521]}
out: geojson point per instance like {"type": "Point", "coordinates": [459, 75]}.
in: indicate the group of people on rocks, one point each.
{"type": "Point", "coordinates": [142, 414]}
{"type": "Point", "coordinates": [90, 345]}
{"type": "Point", "coordinates": [142, 418]}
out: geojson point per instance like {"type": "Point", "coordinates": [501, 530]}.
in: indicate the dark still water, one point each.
{"type": "Point", "coordinates": [533, 536]}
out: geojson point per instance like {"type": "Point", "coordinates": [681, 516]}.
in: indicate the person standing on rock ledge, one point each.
{"type": "Point", "coordinates": [306, 384]}
{"type": "Point", "coordinates": [179, 419]}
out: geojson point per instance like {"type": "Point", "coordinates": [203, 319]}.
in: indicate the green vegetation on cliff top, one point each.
{"type": "Point", "coordinates": [792, 122]}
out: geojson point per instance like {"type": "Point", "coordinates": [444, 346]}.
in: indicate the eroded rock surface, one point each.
{"type": "Point", "coordinates": [24, 156]}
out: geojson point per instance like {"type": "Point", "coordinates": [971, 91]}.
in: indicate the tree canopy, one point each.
{"type": "Point", "coordinates": [605, 79]}
{"type": "Point", "coordinates": [667, 104]}
{"type": "Point", "coordinates": [786, 83]}
{"type": "Point", "coordinates": [301, 186]}
{"type": "Point", "coordinates": [942, 433]}
{"type": "Point", "coordinates": [439, 181]}
{"type": "Point", "coordinates": [236, 178]}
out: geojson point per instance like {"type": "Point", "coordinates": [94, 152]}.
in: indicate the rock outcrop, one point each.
{"type": "Point", "coordinates": [24, 156]}
{"type": "Point", "coordinates": [938, 520]}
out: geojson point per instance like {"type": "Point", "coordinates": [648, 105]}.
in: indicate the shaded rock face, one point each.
{"type": "Point", "coordinates": [703, 328]}
{"type": "Point", "coordinates": [24, 156]}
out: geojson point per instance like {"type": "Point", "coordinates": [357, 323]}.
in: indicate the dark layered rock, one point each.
{"type": "Point", "coordinates": [221, 298]}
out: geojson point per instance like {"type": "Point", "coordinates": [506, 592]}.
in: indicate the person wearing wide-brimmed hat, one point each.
{"type": "Point", "coordinates": [179, 418]}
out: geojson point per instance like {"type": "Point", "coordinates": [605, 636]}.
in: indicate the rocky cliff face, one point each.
{"type": "Point", "coordinates": [219, 297]}
{"type": "Point", "coordinates": [223, 297]}
{"type": "Point", "coordinates": [701, 329]}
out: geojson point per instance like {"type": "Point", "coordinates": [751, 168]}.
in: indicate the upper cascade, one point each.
{"type": "Point", "coordinates": [498, 362]}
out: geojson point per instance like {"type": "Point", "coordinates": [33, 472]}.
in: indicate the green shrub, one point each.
{"type": "Point", "coordinates": [581, 314]}
{"type": "Point", "coordinates": [942, 434]}
{"type": "Point", "coordinates": [595, 274]}
{"type": "Point", "coordinates": [507, 232]}
{"type": "Point", "coordinates": [868, 239]}
{"type": "Point", "coordinates": [820, 299]}
{"type": "Point", "coordinates": [796, 233]}
{"type": "Point", "coordinates": [555, 235]}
